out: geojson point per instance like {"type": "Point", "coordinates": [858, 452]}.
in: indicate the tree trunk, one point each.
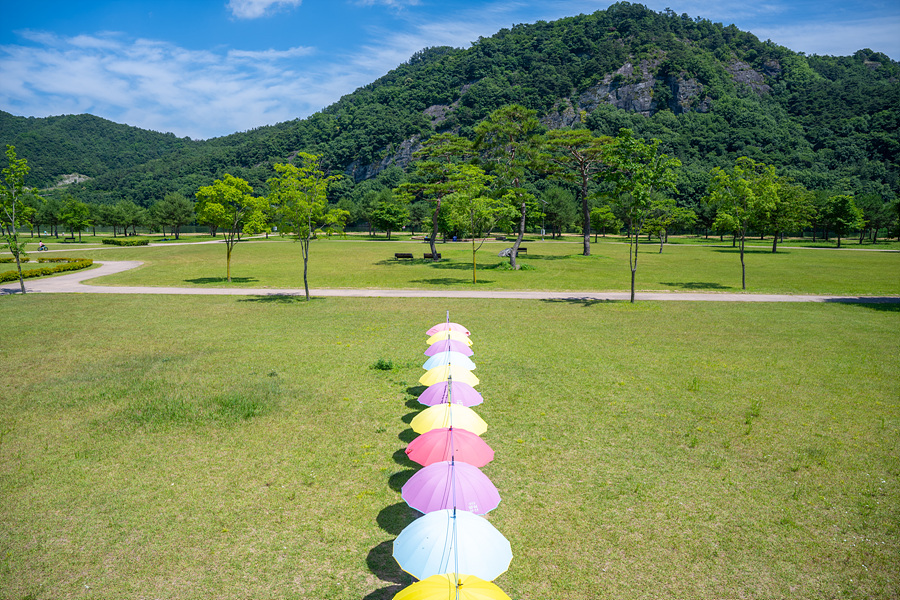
{"type": "Point", "coordinates": [228, 259]}
{"type": "Point", "coordinates": [774, 243]}
{"type": "Point", "coordinates": [304, 247]}
{"type": "Point", "coordinates": [586, 215]}
{"type": "Point", "coordinates": [434, 227]}
{"type": "Point", "coordinates": [743, 268]}
{"type": "Point", "coordinates": [515, 249]}
{"type": "Point", "coordinates": [660, 243]}
{"type": "Point", "coordinates": [839, 241]}
{"type": "Point", "coordinates": [19, 267]}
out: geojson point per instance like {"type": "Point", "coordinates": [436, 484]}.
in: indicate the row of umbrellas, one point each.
{"type": "Point", "coordinates": [452, 550]}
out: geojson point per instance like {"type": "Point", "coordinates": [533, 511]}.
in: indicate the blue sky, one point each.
{"type": "Point", "coordinates": [206, 68]}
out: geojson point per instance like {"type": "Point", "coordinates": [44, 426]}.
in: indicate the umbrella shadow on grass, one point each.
{"type": "Point", "coordinates": [381, 563]}
{"type": "Point", "coordinates": [384, 593]}
{"type": "Point", "coordinates": [407, 435]}
{"type": "Point", "coordinates": [403, 460]}
{"type": "Point", "coordinates": [399, 479]}
{"type": "Point", "coordinates": [408, 417]}
{"type": "Point", "coordinates": [394, 518]}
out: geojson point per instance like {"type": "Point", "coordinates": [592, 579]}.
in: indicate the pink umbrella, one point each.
{"type": "Point", "coordinates": [459, 392]}
{"type": "Point", "coordinates": [448, 443]}
{"type": "Point", "coordinates": [448, 326]}
{"type": "Point", "coordinates": [449, 346]}
{"type": "Point", "coordinates": [451, 485]}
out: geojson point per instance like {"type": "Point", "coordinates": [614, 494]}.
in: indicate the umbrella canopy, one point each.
{"type": "Point", "coordinates": [448, 444]}
{"type": "Point", "coordinates": [449, 586]}
{"type": "Point", "coordinates": [452, 541]}
{"type": "Point", "coordinates": [449, 335]}
{"type": "Point", "coordinates": [449, 358]}
{"type": "Point", "coordinates": [446, 372]}
{"type": "Point", "coordinates": [448, 345]}
{"type": "Point", "coordinates": [448, 327]}
{"type": "Point", "coordinates": [456, 392]}
{"type": "Point", "coordinates": [448, 415]}
{"type": "Point", "coordinates": [451, 485]}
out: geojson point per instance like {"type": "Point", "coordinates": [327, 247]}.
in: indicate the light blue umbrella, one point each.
{"type": "Point", "coordinates": [452, 541]}
{"type": "Point", "coordinates": [449, 358]}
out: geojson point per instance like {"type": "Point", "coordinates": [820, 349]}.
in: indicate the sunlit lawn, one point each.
{"type": "Point", "coordinates": [241, 447]}
{"type": "Point", "coordinates": [548, 266]}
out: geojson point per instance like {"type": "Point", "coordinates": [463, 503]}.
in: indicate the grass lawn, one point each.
{"type": "Point", "coordinates": [242, 447]}
{"type": "Point", "coordinates": [550, 266]}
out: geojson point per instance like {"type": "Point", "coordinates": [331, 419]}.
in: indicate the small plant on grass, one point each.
{"type": "Point", "coordinates": [382, 364]}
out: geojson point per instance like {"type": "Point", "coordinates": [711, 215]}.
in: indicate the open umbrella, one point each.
{"type": "Point", "coordinates": [451, 485]}
{"type": "Point", "coordinates": [449, 358]}
{"type": "Point", "coordinates": [448, 327]}
{"type": "Point", "coordinates": [452, 541]}
{"type": "Point", "coordinates": [449, 335]}
{"type": "Point", "coordinates": [448, 415]}
{"type": "Point", "coordinates": [448, 346]}
{"type": "Point", "coordinates": [446, 372]}
{"type": "Point", "coordinates": [456, 392]}
{"type": "Point", "coordinates": [449, 586]}
{"type": "Point", "coordinates": [447, 444]}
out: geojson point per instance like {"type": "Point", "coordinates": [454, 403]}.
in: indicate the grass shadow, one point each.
{"type": "Point", "coordinates": [209, 280]}
{"type": "Point", "coordinates": [883, 304]}
{"type": "Point", "coordinates": [394, 518]}
{"type": "Point", "coordinates": [747, 250]}
{"type": "Point", "coordinates": [582, 301]}
{"type": "Point", "coordinates": [696, 285]}
{"type": "Point", "coordinates": [282, 299]}
{"type": "Point", "coordinates": [450, 281]}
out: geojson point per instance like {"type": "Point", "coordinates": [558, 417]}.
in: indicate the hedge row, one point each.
{"type": "Point", "coordinates": [72, 264]}
{"type": "Point", "coordinates": [118, 242]}
{"type": "Point", "coordinates": [11, 259]}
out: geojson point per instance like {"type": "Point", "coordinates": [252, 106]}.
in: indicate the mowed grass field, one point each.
{"type": "Point", "coordinates": [548, 266]}
{"type": "Point", "coordinates": [243, 447]}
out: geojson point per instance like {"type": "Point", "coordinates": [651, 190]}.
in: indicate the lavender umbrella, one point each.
{"type": "Point", "coordinates": [449, 346]}
{"type": "Point", "coordinates": [457, 392]}
{"type": "Point", "coordinates": [451, 485]}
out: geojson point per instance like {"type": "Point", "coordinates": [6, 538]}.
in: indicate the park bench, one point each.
{"type": "Point", "coordinates": [522, 250]}
{"type": "Point", "coordinates": [431, 256]}
{"type": "Point", "coordinates": [402, 255]}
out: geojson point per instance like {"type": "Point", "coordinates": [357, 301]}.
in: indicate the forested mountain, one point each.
{"type": "Point", "coordinates": [710, 93]}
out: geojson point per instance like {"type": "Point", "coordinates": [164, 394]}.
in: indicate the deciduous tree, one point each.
{"type": "Point", "coordinates": [229, 204]}
{"type": "Point", "coordinates": [638, 172]}
{"type": "Point", "coordinates": [301, 191]}
{"type": "Point", "coordinates": [11, 206]}
{"type": "Point", "coordinates": [740, 194]}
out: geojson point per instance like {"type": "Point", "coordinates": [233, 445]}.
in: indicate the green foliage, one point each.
{"type": "Point", "coordinates": [125, 242]}
{"type": "Point", "coordinates": [70, 264]}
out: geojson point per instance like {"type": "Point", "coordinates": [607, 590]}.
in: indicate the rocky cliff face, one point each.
{"type": "Point", "coordinates": [635, 87]}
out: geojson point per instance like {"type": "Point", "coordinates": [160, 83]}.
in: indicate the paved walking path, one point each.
{"type": "Point", "coordinates": [74, 283]}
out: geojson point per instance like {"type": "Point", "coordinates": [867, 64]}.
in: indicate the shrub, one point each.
{"type": "Point", "coordinates": [118, 242]}
{"type": "Point", "coordinates": [67, 264]}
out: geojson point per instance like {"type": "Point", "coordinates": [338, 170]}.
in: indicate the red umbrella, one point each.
{"type": "Point", "coordinates": [449, 443]}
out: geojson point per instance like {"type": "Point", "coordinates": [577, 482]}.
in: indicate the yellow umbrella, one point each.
{"type": "Point", "coordinates": [448, 415]}
{"type": "Point", "coordinates": [449, 335]}
{"type": "Point", "coordinates": [447, 372]}
{"type": "Point", "coordinates": [447, 587]}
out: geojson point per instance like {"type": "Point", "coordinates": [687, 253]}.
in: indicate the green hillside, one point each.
{"type": "Point", "coordinates": [710, 93]}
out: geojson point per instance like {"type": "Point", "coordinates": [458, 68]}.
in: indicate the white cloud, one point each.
{"type": "Point", "coordinates": [253, 9]}
{"type": "Point", "coordinates": [160, 86]}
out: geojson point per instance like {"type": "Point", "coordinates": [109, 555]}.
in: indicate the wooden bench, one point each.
{"type": "Point", "coordinates": [522, 250]}
{"type": "Point", "coordinates": [402, 255]}
{"type": "Point", "coordinates": [431, 256]}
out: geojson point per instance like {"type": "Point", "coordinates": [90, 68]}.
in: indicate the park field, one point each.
{"type": "Point", "coordinates": [245, 447]}
{"type": "Point", "coordinates": [549, 265]}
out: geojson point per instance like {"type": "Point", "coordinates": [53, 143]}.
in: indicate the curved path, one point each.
{"type": "Point", "coordinates": [73, 283]}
